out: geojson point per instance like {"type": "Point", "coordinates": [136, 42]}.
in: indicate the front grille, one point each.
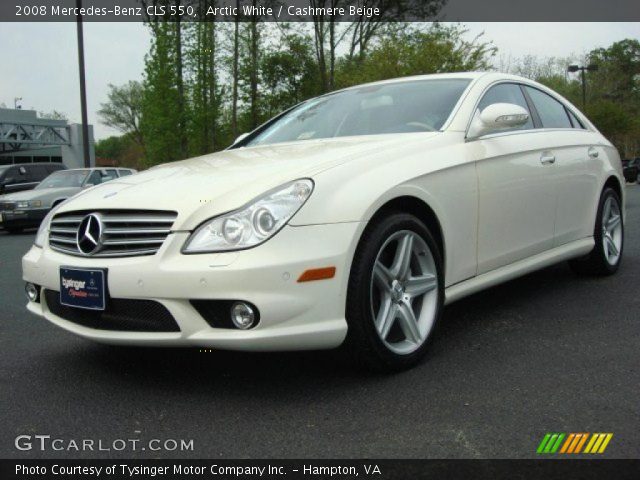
{"type": "Point", "coordinates": [7, 206]}
{"type": "Point", "coordinates": [121, 314]}
{"type": "Point", "coordinates": [124, 232]}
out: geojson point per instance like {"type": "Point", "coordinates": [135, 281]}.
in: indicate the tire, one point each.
{"type": "Point", "coordinates": [414, 294]}
{"type": "Point", "coordinates": [606, 256]}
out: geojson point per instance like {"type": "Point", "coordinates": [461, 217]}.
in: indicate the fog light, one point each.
{"type": "Point", "coordinates": [242, 315]}
{"type": "Point", "coordinates": [32, 292]}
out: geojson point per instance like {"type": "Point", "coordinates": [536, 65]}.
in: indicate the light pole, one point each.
{"type": "Point", "coordinates": [589, 68]}
{"type": "Point", "coordinates": [83, 90]}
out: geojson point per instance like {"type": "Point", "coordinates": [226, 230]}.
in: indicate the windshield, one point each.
{"type": "Point", "coordinates": [412, 106]}
{"type": "Point", "coordinates": [67, 178]}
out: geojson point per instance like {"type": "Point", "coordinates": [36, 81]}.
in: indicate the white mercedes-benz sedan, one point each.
{"type": "Point", "coordinates": [352, 218]}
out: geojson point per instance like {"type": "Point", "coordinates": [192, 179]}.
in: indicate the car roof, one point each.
{"type": "Point", "coordinates": [474, 75]}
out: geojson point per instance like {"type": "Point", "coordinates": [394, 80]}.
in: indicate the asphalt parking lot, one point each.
{"type": "Point", "coordinates": [550, 352]}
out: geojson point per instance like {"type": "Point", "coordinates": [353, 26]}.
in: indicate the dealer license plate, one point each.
{"type": "Point", "coordinates": [83, 288]}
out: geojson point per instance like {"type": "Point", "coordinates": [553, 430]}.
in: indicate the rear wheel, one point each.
{"type": "Point", "coordinates": [606, 255]}
{"type": "Point", "coordinates": [395, 293]}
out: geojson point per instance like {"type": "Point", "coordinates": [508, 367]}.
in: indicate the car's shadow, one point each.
{"type": "Point", "coordinates": [199, 370]}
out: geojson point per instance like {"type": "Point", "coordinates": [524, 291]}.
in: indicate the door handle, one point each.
{"type": "Point", "coordinates": [593, 152]}
{"type": "Point", "coordinates": [547, 158]}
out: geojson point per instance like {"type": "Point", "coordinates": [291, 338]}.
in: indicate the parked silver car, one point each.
{"type": "Point", "coordinates": [27, 209]}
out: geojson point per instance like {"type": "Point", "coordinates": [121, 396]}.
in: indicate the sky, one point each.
{"type": "Point", "coordinates": [40, 59]}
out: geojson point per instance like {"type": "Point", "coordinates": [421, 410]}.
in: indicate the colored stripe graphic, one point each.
{"type": "Point", "coordinates": [572, 443]}
{"type": "Point", "coordinates": [598, 443]}
{"type": "Point", "coordinates": [567, 442]}
{"type": "Point", "coordinates": [555, 447]}
{"type": "Point", "coordinates": [550, 443]}
{"type": "Point", "coordinates": [581, 443]}
{"type": "Point", "coordinates": [543, 443]}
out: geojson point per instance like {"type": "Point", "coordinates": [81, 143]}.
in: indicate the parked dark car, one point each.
{"type": "Point", "coordinates": [27, 209]}
{"type": "Point", "coordinates": [16, 178]}
{"type": "Point", "coordinates": [630, 169]}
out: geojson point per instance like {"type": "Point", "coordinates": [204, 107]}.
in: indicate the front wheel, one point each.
{"type": "Point", "coordinates": [606, 255]}
{"type": "Point", "coordinates": [395, 294]}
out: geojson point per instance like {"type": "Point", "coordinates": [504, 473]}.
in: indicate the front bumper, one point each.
{"type": "Point", "coordinates": [293, 316]}
{"type": "Point", "coordinates": [22, 218]}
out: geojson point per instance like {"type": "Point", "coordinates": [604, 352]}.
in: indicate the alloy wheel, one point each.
{"type": "Point", "coordinates": [404, 292]}
{"type": "Point", "coordinates": [611, 230]}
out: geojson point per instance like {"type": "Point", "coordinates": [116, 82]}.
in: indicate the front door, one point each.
{"type": "Point", "coordinates": [516, 188]}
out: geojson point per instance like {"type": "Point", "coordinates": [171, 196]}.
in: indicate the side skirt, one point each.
{"type": "Point", "coordinates": [519, 268]}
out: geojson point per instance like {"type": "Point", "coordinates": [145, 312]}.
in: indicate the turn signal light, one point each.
{"type": "Point", "coordinates": [317, 274]}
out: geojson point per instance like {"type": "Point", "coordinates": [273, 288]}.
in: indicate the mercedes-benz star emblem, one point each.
{"type": "Point", "coordinates": [89, 236]}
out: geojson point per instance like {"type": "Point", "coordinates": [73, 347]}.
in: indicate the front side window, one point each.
{"type": "Point", "coordinates": [95, 178]}
{"type": "Point", "coordinates": [506, 93]}
{"type": "Point", "coordinates": [64, 179]}
{"type": "Point", "coordinates": [552, 113]}
{"type": "Point", "coordinates": [13, 175]}
{"type": "Point", "coordinates": [124, 173]}
{"type": "Point", "coordinates": [402, 107]}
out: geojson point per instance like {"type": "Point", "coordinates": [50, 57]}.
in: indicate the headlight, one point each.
{"type": "Point", "coordinates": [252, 224]}
{"type": "Point", "coordinates": [28, 204]}
{"type": "Point", "coordinates": [41, 236]}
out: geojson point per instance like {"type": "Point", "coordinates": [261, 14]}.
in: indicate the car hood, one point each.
{"type": "Point", "coordinates": [44, 194]}
{"type": "Point", "coordinates": [203, 187]}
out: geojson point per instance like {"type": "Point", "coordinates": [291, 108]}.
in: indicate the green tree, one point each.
{"type": "Point", "coordinates": [413, 51]}
{"type": "Point", "coordinates": [160, 125]}
{"type": "Point", "coordinates": [123, 109]}
{"type": "Point", "coordinates": [124, 149]}
{"type": "Point", "coordinates": [289, 74]}
{"type": "Point", "coordinates": [204, 92]}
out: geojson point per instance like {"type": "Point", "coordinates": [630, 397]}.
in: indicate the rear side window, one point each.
{"type": "Point", "coordinates": [574, 120]}
{"type": "Point", "coordinates": [552, 113]}
{"type": "Point", "coordinates": [506, 93]}
{"type": "Point", "coordinates": [109, 174]}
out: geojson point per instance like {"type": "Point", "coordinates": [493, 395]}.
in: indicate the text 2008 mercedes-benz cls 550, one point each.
{"type": "Point", "coordinates": [350, 218]}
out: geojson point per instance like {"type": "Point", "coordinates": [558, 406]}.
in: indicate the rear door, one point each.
{"type": "Point", "coordinates": [571, 145]}
{"type": "Point", "coordinates": [517, 188]}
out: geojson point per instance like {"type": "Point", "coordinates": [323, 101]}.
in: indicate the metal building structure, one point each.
{"type": "Point", "coordinates": [25, 138]}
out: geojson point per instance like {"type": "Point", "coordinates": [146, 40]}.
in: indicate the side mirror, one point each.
{"type": "Point", "coordinates": [240, 137]}
{"type": "Point", "coordinates": [88, 185]}
{"type": "Point", "coordinates": [496, 118]}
